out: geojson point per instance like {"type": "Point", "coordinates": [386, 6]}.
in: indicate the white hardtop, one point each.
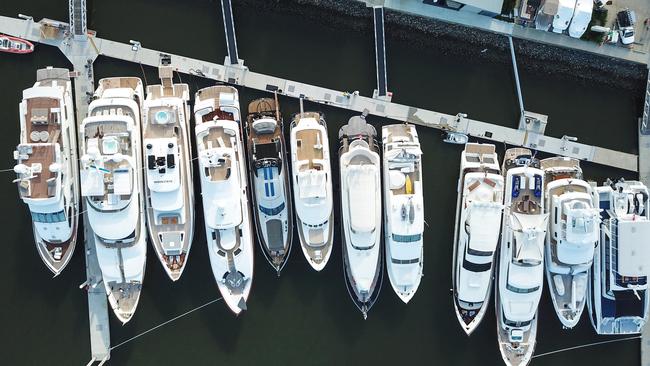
{"type": "Point", "coordinates": [361, 193]}
{"type": "Point", "coordinates": [633, 248]}
{"type": "Point", "coordinates": [49, 91]}
{"type": "Point", "coordinates": [484, 219]}
{"type": "Point", "coordinates": [222, 195]}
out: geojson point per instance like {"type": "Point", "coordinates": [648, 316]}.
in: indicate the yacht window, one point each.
{"type": "Point", "coordinates": [519, 290]}
{"type": "Point", "coordinates": [514, 324]}
{"type": "Point", "coordinates": [407, 238]}
{"type": "Point", "coordinates": [405, 261]}
{"type": "Point", "coordinates": [49, 217]}
{"type": "Point", "coordinates": [274, 211]}
{"type": "Point", "coordinates": [474, 267]}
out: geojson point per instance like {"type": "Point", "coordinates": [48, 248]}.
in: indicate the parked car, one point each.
{"type": "Point", "coordinates": [625, 20]}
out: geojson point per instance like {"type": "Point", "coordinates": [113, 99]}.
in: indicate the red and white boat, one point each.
{"type": "Point", "coordinates": [15, 45]}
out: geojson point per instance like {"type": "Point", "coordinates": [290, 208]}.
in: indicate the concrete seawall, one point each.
{"type": "Point", "coordinates": [461, 40]}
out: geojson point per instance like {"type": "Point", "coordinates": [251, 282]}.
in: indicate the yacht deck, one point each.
{"type": "Point", "coordinates": [43, 184]}
{"type": "Point", "coordinates": [309, 147]}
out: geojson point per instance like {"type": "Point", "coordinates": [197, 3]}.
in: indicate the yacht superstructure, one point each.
{"type": "Point", "coordinates": [571, 238]}
{"type": "Point", "coordinates": [361, 217]}
{"type": "Point", "coordinates": [46, 166]}
{"type": "Point", "coordinates": [271, 194]}
{"type": "Point", "coordinates": [618, 298]}
{"type": "Point", "coordinates": [520, 265]}
{"type": "Point", "coordinates": [404, 208]}
{"type": "Point", "coordinates": [312, 187]}
{"type": "Point", "coordinates": [169, 188]}
{"type": "Point", "coordinates": [111, 185]}
{"type": "Point", "coordinates": [224, 188]}
{"type": "Point", "coordinates": [478, 221]}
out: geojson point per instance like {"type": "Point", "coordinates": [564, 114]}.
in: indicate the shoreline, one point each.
{"type": "Point", "coordinates": [460, 40]}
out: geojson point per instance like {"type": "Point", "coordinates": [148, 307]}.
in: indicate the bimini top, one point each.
{"type": "Point", "coordinates": [361, 193]}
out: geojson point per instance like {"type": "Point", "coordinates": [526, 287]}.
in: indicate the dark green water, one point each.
{"type": "Point", "coordinates": [302, 318]}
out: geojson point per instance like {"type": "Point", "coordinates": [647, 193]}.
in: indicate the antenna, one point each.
{"type": "Point", "coordinates": [302, 110]}
{"type": "Point", "coordinates": [277, 115]}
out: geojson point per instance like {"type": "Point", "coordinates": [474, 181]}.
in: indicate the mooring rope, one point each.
{"type": "Point", "coordinates": [585, 346]}
{"type": "Point", "coordinates": [165, 323]}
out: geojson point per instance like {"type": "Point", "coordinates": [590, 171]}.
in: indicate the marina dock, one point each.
{"type": "Point", "coordinates": [644, 177]}
{"type": "Point", "coordinates": [82, 48]}
{"type": "Point", "coordinates": [242, 76]}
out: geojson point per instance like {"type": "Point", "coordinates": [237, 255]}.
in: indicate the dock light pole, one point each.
{"type": "Point", "coordinates": [28, 18]}
{"type": "Point", "coordinates": [135, 45]}
{"type": "Point", "coordinates": [566, 139]}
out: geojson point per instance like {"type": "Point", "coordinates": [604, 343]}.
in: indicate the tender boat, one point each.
{"type": "Point", "coordinates": [15, 45]}
{"type": "Point", "coordinates": [169, 188]}
{"type": "Point", "coordinates": [46, 166]}
{"type": "Point", "coordinates": [312, 187]}
{"type": "Point", "coordinates": [478, 221]}
{"type": "Point", "coordinates": [456, 138]}
{"type": "Point", "coordinates": [404, 208]}
{"type": "Point", "coordinates": [111, 184]}
{"type": "Point", "coordinates": [520, 265]}
{"type": "Point", "coordinates": [361, 218]}
{"type": "Point", "coordinates": [571, 238]}
{"type": "Point", "coordinates": [618, 298]}
{"type": "Point", "coordinates": [271, 194]}
{"type": "Point", "coordinates": [224, 189]}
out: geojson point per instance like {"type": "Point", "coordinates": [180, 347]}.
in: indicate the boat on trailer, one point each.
{"type": "Point", "coordinates": [111, 184]}
{"type": "Point", "coordinates": [312, 187]}
{"type": "Point", "coordinates": [169, 180]}
{"type": "Point", "coordinates": [46, 166]}
{"type": "Point", "coordinates": [404, 208]}
{"type": "Point", "coordinates": [618, 298]}
{"type": "Point", "coordinates": [478, 220]}
{"type": "Point", "coordinates": [270, 193]}
{"type": "Point", "coordinates": [11, 44]}
{"type": "Point", "coordinates": [572, 236]}
{"type": "Point", "coordinates": [520, 265]}
{"type": "Point", "coordinates": [361, 215]}
{"type": "Point", "coordinates": [224, 189]}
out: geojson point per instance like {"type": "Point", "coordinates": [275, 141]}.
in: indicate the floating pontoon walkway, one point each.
{"type": "Point", "coordinates": [239, 75]}
{"type": "Point", "coordinates": [380, 51]}
{"type": "Point", "coordinates": [229, 26]}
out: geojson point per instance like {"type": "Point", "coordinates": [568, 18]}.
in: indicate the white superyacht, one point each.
{"type": "Point", "coordinates": [224, 188]}
{"type": "Point", "coordinates": [168, 173]}
{"type": "Point", "coordinates": [312, 187]}
{"type": "Point", "coordinates": [478, 223]}
{"type": "Point", "coordinates": [572, 236]}
{"type": "Point", "coordinates": [520, 264]}
{"type": "Point", "coordinates": [404, 208]}
{"type": "Point", "coordinates": [269, 173]}
{"type": "Point", "coordinates": [111, 185]}
{"type": "Point", "coordinates": [361, 217]}
{"type": "Point", "coordinates": [46, 166]}
{"type": "Point", "coordinates": [618, 298]}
